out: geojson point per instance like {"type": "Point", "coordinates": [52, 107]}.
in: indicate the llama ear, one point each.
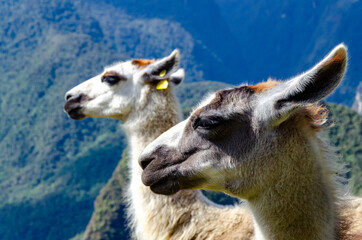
{"type": "Point", "coordinates": [162, 68]}
{"type": "Point", "coordinates": [307, 88]}
{"type": "Point", "coordinates": [177, 77]}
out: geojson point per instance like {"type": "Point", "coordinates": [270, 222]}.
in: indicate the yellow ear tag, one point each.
{"type": "Point", "coordinates": [162, 73]}
{"type": "Point", "coordinates": [163, 84]}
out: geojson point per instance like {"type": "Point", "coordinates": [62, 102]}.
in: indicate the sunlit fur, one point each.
{"type": "Point", "coordinates": [146, 113]}
{"type": "Point", "coordinates": [281, 164]}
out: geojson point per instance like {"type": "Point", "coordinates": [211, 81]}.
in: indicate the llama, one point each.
{"type": "Point", "coordinates": [136, 93]}
{"type": "Point", "coordinates": [261, 143]}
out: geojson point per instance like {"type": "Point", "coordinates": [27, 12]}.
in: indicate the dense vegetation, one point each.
{"type": "Point", "coordinates": [346, 134]}
{"type": "Point", "coordinates": [52, 168]}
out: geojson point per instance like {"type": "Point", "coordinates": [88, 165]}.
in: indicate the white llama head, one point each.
{"type": "Point", "coordinates": [118, 89]}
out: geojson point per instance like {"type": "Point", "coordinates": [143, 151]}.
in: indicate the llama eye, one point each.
{"type": "Point", "coordinates": [206, 123]}
{"type": "Point", "coordinates": [111, 80]}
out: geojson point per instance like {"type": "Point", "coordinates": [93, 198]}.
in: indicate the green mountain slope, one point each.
{"type": "Point", "coordinates": [51, 167]}
{"type": "Point", "coordinates": [346, 135]}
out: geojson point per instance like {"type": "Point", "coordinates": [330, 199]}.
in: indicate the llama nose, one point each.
{"type": "Point", "coordinates": [68, 96]}
{"type": "Point", "coordinates": [76, 98]}
{"type": "Point", "coordinates": [144, 161]}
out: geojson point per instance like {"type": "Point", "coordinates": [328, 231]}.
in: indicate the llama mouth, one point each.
{"type": "Point", "coordinates": [75, 113]}
{"type": "Point", "coordinates": [74, 110]}
{"type": "Point", "coordinates": [160, 181]}
{"type": "Point", "coordinates": [170, 180]}
{"type": "Point", "coordinates": [165, 187]}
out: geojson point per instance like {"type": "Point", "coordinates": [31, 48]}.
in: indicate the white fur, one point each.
{"type": "Point", "coordinates": [173, 137]}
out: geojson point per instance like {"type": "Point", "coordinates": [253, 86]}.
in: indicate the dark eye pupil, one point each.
{"type": "Point", "coordinates": [206, 123]}
{"type": "Point", "coordinates": [111, 80]}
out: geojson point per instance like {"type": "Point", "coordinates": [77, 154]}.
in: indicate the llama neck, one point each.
{"type": "Point", "coordinates": [154, 216]}
{"type": "Point", "coordinates": [153, 115]}
{"type": "Point", "coordinates": [299, 202]}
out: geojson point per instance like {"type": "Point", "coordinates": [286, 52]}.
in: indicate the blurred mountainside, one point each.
{"type": "Point", "coordinates": [357, 105]}
{"type": "Point", "coordinates": [52, 167]}
{"type": "Point", "coordinates": [283, 38]}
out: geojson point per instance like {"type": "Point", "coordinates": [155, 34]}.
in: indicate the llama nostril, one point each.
{"type": "Point", "coordinates": [68, 96]}
{"type": "Point", "coordinates": [77, 98]}
{"type": "Point", "coordinates": [145, 161]}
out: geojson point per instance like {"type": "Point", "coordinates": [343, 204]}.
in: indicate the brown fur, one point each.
{"type": "Point", "coordinates": [315, 115]}
{"type": "Point", "coordinates": [114, 74]}
{"type": "Point", "coordinates": [260, 87]}
{"type": "Point", "coordinates": [342, 229]}
{"type": "Point", "coordinates": [340, 56]}
{"type": "Point", "coordinates": [141, 63]}
{"type": "Point", "coordinates": [350, 227]}
{"type": "Point", "coordinates": [111, 73]}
